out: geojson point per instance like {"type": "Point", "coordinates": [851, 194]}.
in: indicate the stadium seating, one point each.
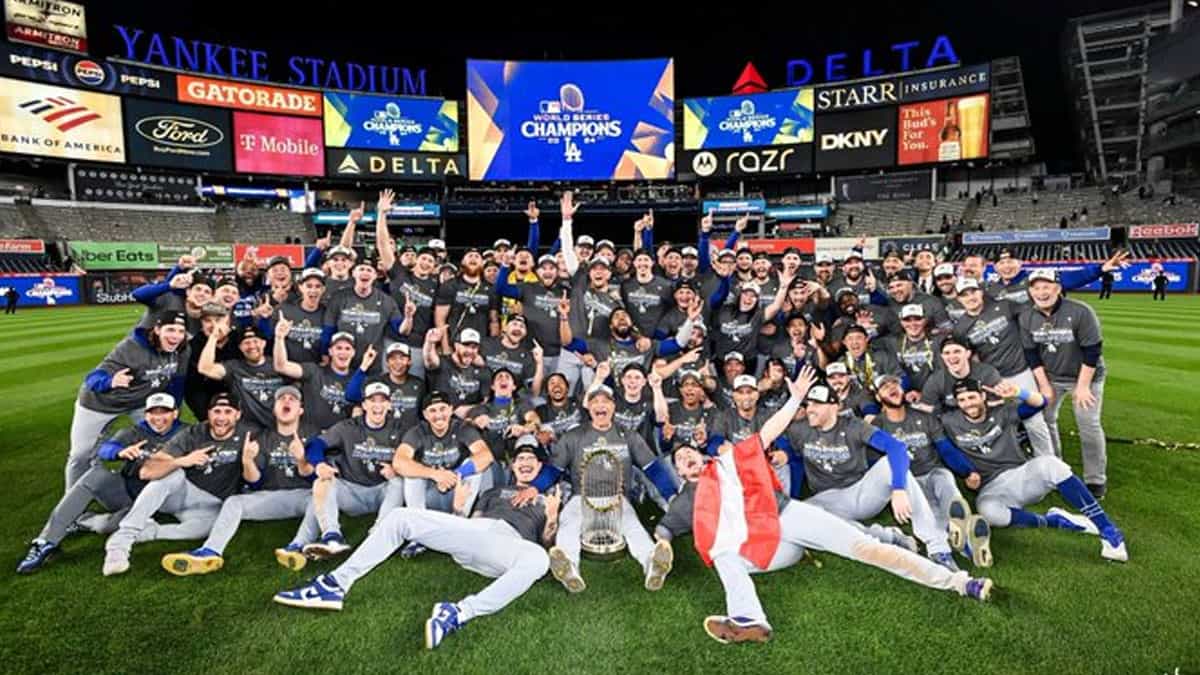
{"type": "Point", "coordinates": [263, 225]}
{"type": "Point", "coordinates": [1090, 250]}
{"type": "Point", "coordinates": [899, 217]}
{"type": "Point", "coordinates": [1154, 210]}
{"type": "Point", "coordinates": [1021, 213]}
{"type": "Point", "coordinates": [20, 263]}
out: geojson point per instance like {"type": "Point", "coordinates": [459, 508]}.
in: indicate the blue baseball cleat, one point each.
{"type": "Point", "coordinates": [979, 541]}
{"type": "Point", "coordinates": [443, 622]}
{"type": "Point", "coordinates": [322, 592]}
{"type": "Point", "coordinates": [332, 544]}
{"type": "Point", "coordinates": [1065, 520]}
{"type": "Point", "coordinates": [1112, 545]}
{"type": "Point", "coordinates": [412, 549]}
{"type": "Point", "coordinates": [39, 553]}
{"type": "Point", "coordinates": [727, 629]}
{"type": "Point", "coordinates": [978, 589]}
{"type": "Point", "coordinates": [197, 561]}
{"type": "Point", "coordinates": [959, 513]}
{"type": "Point", "coordinates": [945, 560]}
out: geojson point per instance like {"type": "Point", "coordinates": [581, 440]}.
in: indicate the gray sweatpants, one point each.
{"type": "Point", "coordinates": [1035, 426]}
{"type": "Point", "coordinates": [940, 490]}
{"type": "Point", "coordinates": [570, 529]}
{"type": "Point", "coordinates": [265, 505]}
{"type": "Point", "coordinates": [98, 484]}
{"type": "Point", "coordinates": [349, 498]}
{"type": "Point", "coordinates": [485, 546]}
{"type": "Point", "coordinates": [174, 494]}
{"type": "Point", "coordinates": [87, 428]}
{"type": "Point", "coordinates": [1092, 444]}
{"type": "Point", "coordinates": [1025, 484]}
{"type": "Point", "coordinates": [802, 525]}
{"type": "Point", "coordinates": [422, 493]}
{"type": "Point", "coordinates": [866, 498]}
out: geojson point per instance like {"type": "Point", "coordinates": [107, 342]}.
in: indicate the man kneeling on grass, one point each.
{"type": "Point", "coordinates": [504, 539]}
{"type": "Point", "coordinates": [744, 524]}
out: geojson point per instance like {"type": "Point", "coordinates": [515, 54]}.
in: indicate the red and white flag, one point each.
{"type": "Point", "coordinates": [735, 506]}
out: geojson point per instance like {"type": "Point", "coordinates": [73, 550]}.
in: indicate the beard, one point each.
{"type": "Point", "coordinates": [472, 269]}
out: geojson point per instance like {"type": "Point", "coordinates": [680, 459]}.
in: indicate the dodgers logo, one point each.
{"type": "Point", "coordinates": [566, 121]}
{"type": "Point", "coordinates": [746, 121]}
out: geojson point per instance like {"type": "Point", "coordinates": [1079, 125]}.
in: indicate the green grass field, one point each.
{"type": "Point", "coordinates": [1058, 607]}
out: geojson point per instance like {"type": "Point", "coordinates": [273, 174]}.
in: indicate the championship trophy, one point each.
{"type": "Point", "coordinates": [601, 496]}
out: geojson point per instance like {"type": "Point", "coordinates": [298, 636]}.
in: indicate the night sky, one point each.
{"type": "Point", "coordinates": [710, 46]}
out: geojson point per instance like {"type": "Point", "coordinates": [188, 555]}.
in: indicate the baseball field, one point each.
{"type": "Point", "coordinates": [1057, 607]}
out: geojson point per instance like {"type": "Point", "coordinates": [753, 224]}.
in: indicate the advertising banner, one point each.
{"type": "Point", "coordinates": [777, 246]}
{"type": "Point", "coordinates": [401, 166]}
{"type": "Point", "coordinates": [932, 242]}
{"type": "Point", "coordinates": [775, 118]}
{"type": "Point", "coordinates": [869, 94]}
{"type": "Point", "coordinates": [838, 247]}
{"type": "Point", "coordinates": [391, 123]}
{"type": "Point", "coordinates": [864, 139]}
{"type": "Point", "coordinates": [264, 252]}
{"type": "Point", "coordinates": [885, 187]}
{"type": "Point", "coordinates": [40, 119]}
{"type": "Point", "coordinates": [1139, 276]}
{"type": "Point", "coordinates": [47, 23]}
{"type": "Point", "coordinates": [780, 160]}
{"type": "Point", "coordinates": [815, 211]}
{"type": "Point", "coordinates": [174, 135]}
{"type": "Point", "coordinates": [1168, 231]}
{"type": "Point", "coordinates": [582, 120]}
{"type": "Point", "coordinates": [36, 290]}
{"type": "Point", "coordinates": [246, 96]}
{"type": "Point", "coordinates": [946, 130]}
{"type": "Point", "coordinates": [72, 70]}
{"type": "Point", "coordinates": [733, 207]}
{"type": "Point", "coordinates": [1038, 236]}
{"type": "Point", "coordinates": [114, 288]}
{"type": "Point", "coordinates": [115, 255]}
{"type": "Point", "coordinates": [279, 145]}
{"type": "Point", "coordinates": [206, 255]}
{"type": "Point", "coordinates": [947, 83]}
{"type": "Point", "coordinates": [35, 246]}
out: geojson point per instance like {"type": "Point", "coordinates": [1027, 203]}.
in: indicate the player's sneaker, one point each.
{"type": "Point", "coordinates": [1098, 490]}
{"type": "Point", "coordinates": [411, 550]}
{"type": "Point", "coordinates": [1065, 520]}
{"type": "Point", "coordinates": [443, 622]}
{"type": "Point", "coordinates": [291, 556]}
{"type": "Point", "coordinates": [979, 541]}
{"type": "Point", "coordinates": [945, 560]}
{"type": "Point", "coordinates": [1112, 545]}
{"type": "Point", "coordinates": [960, 511]}
{"type": "Point", "coordinates": [39, 552]}
{"type": "Point", "coordinates": [196, 561]}
{"type": "Point", "coordinates": [903, 540]}
{"type": "Point", "coordinates": [332, 544]}
{"type": "Point", "coordinates": [978, 589]}
{"type": "Point", "coordinates": [323, 592]}
{"type": "Point", "coordinates": [660, 564]}
{"type": "Point", "coordinates": [115, 562]}
{"type": "Point", "coordinates": [564, 570]}
{"type": "Point", "coordinates": [727, 629]}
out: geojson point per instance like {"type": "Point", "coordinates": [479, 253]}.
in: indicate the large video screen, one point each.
{"type": "Point", "coordinates": [391, 123]}
{"type": "Point", "coordinates": [946, 130]}
{"type": "Point", "coordinates": [41, 119]}
{"type": "Point", "coordinates": [776, 118]}
{"type": "Point", "coordinates": [860, 139]}
{"type": "Point", "coordinates": [590, 120]}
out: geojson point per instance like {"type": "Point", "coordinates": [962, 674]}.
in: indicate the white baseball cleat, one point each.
{"type": "Point", "coordinates": [659, 565]}
{"type": "Point", "coordinates": [564, 570]}
{"type": "Point", "coordinates": [1112, 545]}
{"type": "Point", "coordinates": [1077, 522]}
{"type": "Point", "coordinates": [115, 562]}
{"type": "Point", "coordinates": [960, 512]}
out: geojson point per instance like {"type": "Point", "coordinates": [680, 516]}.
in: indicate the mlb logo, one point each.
{"type": "Point", "coordinates": [550, 107]}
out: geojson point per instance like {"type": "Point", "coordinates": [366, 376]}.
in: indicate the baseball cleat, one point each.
{"type": "Point", "coordinates": [1098, 490]}
{"type": "Point", "coordinates": [412, 549]}
{"type": "Point", "coordinates": [197, 561]}
{"type": "Point", "coordinates": [322, 592]}
{"type": "Point", "coordinates": [945, 560]}
{"type": "Point", "coordinates": [443, 622]}
{"type": "Point", "coordinates": [291, 557]}
{"type": "Point", "coordinates": [564, 570]}
{"type": "Point", "coordinates": [332, 544]}
{"type": "Point", "coordinates": [979, 538]}
{"type": "Point", "coordinates": [1112, 545]}
{"type": "Point", "coordinates": [115, 562]}
{"type": "Point", "coordinates": [1065, 520]}
{"type": "Point", "coordinates": [661, 561]}
{"type": "Point", "coordinates": [960, 511]}
{"type": "Point", "coordinates": [37, 556]}
{"type": "Point", "coordinates": [979, 589]}
{"type": "Point", "coordinates": [727, 629]}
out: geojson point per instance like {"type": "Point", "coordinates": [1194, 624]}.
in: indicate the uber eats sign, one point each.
{"type": "Point", "coordinates": [115, 255]}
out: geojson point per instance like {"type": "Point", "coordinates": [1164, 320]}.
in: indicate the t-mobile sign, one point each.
{"type": "Point", "coordinates": [279, 145]}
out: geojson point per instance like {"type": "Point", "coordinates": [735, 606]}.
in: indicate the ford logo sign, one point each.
{"type": "Point", "coordinates": [179, 132]}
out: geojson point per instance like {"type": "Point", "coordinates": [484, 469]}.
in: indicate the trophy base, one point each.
{"type": "Point", "coordinates": [603, 546]}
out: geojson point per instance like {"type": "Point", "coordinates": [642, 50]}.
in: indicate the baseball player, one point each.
{"type": "Point", "coordinates": [876, 320]}
{"type": "Point", "coordinates": [198, 389]}
{"type": "Point", "coordinates": [623, 347]}
{"type": "Point", "coordinates": [561, 412]}
{"type": "Point", "coordinates": [197, 470]}
{"type": "Point", "coordinates": [1006, 481]}
{"type": "Point", "coordinates": [645, 293]}
{"type": "Point", "coordinates": [406, 389]}
{"type": "Point", "coordinates": [114, 490]}
{"type": "Point", "coordinates": [358, 479]}
{"type": "Point", "coordinates": [306, 318]}
{"type": "Point", "coordinates": [324, 387]}
{"type": "Point", "coordinates": [539, 305]}
{"type": "Point", "coordinates": [831, 453]}
{"type": "Point", "coordinates": [901, 291]}
{"type": "Point", "coordinates": [462, 375]}
{"type": "Point", "coordinates": [1013, 282]}
{"type": "Point", "coordinates": [274, 468]}
{"type": "Point", "coordinates": [938, 393]}
{"type": "Point", "coordinates": [435, 455]}
{"type": "Point", "coordinates": [183, 290]}
{"type": "Point", "coordinates": [144, 363]}
{"type": "Point", "coordinates": [1063, 343]}
{"type": "Point", "coordinates": [688, 419]}
{"type": "Point", "coordinates": [916, 351]}
{"type": "Point", "coordinates": [928, 448]}
{"type": "Point", "coordinates": [251, 379]}
{"type": "Point", "coordinates": [365, 312]}
{"type": "Point", "coordinates": [853, 400]}
{"type": "Point", "coordinates": [464, 303]}
{"type": "Point", "coordinates": [946, 282]}
{"type": "Point", "coordinates": [600, 434]}
{"type": "Point", "coordinates": [500, 540]}
{"type": "Point", "coordinates": [774, 530]}
{"type": "Point", "coordinates": [991, 328]}
{"type": "Point", "coordinates": [513, 352]}
{"type": "Point", "coordinates": [502, 419]}
{"type": "Point", "coordinates": [863, 363]}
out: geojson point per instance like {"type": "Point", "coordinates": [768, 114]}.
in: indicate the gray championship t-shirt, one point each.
{"type": "Point", "coordinates": [406, 398]}
{"type": "Point", "coordinates": [367, 319]}
{"type": "Point", "coordinates": [465, 385]}
{"type": "Point", "coordinates": [938, 391]}
{"type": "Point", "coordinates": [590, 310]}
{"type": "Point", "coordinates": [517, 359]}
{"type": "Point", "coordinates": [920, 432]}
{"type": "Point", "coordinates": [222, 475]}
{"type": "Point", "coordinates": [995, 336]}
{"type": "Point", "coordinates": [575, 447]}
{"type": "Point", "coordinates": [255, 388]}
{"type": "Point", "coordinates": [1061, 337]}
{"type": "Point", "coordinates": [422, 293]}
{"type": "Point", "coordinates": [540, 307]}
{"type": "Point", "coordinates": [529, 520]}
{"type": "Point", "coordinates": [362, 451]}
{"type": "Point", "coordinates": [275, 460]}
{"type": "Point", "coordinates": [833, 459]}
{"type": "Point", "coordinates": [151, 369]}
{"type": "Point", "coordinates": [446, 451]}
{"type": "Point", "coordinates": [991, 444]}
{"type": "Point", "coordinates": [917, 358]}
{"type": "Point", "coordinates": [562, 419]}
{"type": "Point", "coordinates": [648, 302]}
{"type": "Point", "coordinates": [469, 303]}
{"type": "Point", "coordinates": [304, 340]}
{"type": "Point", "coordinates": [324, 395]}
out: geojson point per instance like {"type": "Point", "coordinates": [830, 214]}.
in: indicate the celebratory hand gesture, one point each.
{"type": "Point", "coordinates": [1119, 260]}
{"type": "Point", "coordinates": [249, 449]}
{"type": "Point", "coordinates": [568, 206]}
{"type": "Point", "coordinates": [804, 381]}
{"type": "Point", "coordinates": [741, 223]}
{"type": "Point", "coordinates": [706, 223]}
{"type": "Point", "coordinates": [386, 198]}
{"type": "Point", "coordinates": [564, 305]}
{"type": "Point", "coordinates": [368, 359]}
{"type": "Point", "coordinates": [121, 379]}
{"type": "Point", "coordinates": [532, 211]}
{"type": "Point", "coordinates": [131, 452]}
